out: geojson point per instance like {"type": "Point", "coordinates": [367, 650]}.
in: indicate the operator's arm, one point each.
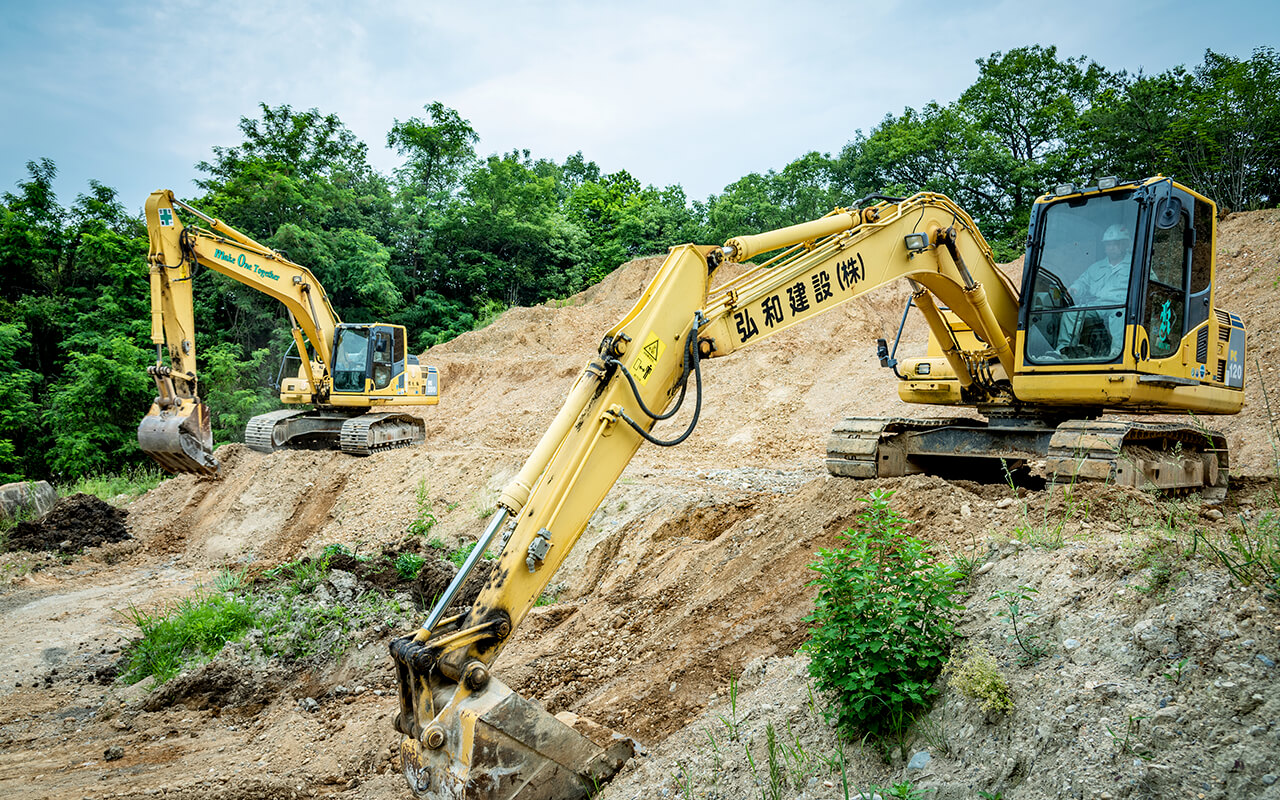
{"type": "Point", "coordinates": [1083, 291]}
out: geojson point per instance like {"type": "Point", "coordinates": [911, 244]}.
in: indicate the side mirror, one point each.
{"type": "Point", "coordinates": [882, 352]}
{"type": "Point", "coordinates": [1168, 212]}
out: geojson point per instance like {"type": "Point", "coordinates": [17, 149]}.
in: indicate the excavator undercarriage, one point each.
{"type": "Point", "coordinates": [355, 431]}
{"type": "Point", "coordinates": [1164, 456]}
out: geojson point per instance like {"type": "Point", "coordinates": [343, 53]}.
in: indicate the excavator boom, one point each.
{"type": "Point", "coordinates": [465, 735]}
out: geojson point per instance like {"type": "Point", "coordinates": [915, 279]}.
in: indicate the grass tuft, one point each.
{"type": "Point", "coordinates": [191, 630]}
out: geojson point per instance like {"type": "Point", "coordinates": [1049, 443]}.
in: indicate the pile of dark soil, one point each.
{"type": "Point", "coordinates": [224, 683]}
{"type": "Point", "coordinates": [74, 523]}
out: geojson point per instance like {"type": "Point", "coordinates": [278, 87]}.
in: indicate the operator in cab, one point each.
{"type": "Point", "coordinates": [1096, 331]}
{"type": "Point", "coordinates": [1106, 281]}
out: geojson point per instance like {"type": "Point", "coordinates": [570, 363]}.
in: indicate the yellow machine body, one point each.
{"type": "Point", "coordinates": [1019, 356]}
{"type": "Point", "coordinates": [346, 369]}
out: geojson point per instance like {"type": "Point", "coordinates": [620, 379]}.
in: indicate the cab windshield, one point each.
{"type": "Point", "coordinates": [1080, 287]}
{"type": "Point", "coordinates": [350, 360]}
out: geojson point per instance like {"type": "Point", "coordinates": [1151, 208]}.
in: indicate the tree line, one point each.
{"type": "Point", "coordinates": [451, 238]}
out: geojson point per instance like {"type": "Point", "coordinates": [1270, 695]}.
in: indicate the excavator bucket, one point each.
{"type": "Point", "coordinates": [179, 439]}
{"type": "Point", "coordinates": [496, 745]}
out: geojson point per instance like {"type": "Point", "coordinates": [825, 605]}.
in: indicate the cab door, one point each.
{"type": "Point", "coordinates": [1174, 302]}
{"type": "Point", "coordinates": [383, 363]}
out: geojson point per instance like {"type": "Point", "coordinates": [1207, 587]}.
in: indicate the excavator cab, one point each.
{"type": "Point", "coordinates": [368, 358]}
{"type": "Point", "coordinates": [1121, 277]}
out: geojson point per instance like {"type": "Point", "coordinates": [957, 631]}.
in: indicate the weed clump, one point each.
{"type": "Point", "coordinates": [194, 628]}
{"type": "Point", "coordinates": [882, 623]}
{"type": "Point", "coordinates": [975, 674]}
{"type": "Point", "coordinates": [425, 519]}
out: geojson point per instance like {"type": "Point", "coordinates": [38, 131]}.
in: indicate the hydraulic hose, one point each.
{"type": "Point", "coordinates": [692, 363]}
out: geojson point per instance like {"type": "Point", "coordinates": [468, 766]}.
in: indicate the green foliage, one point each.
{"type": "Point", "coordinates": [437, 151]}
{"type": "Point", "coordinates": [1016, 607]}
{"type": "Point", "coordinates": [232, 387]}
{"type": "Point", "coordinates": [305, 574]}
{"type": "Point", "coordinates": [903, 790]}
{"type": "Point", "coordinates": [1129, 742]}
{"type": "Point", "coordinates": [731, 722]}
{"type": "Point", "coordinates": [130, 482]}
{"type": "Point", "coordinates": [975, 673]}
{"type": "Point", "coordinates": [19, 413]}
{"type": "Point", "coordinates": [1174, 674]}
{"type": "Point", "coordinates": [882, 622]}
{"type": "Point", "coordinates": [408, 565]}
{"type": "Point", "coordinates": [302, 629]}
{"type": "Point", "coordinates": [1251, 553]}
{"type": "Point", "coordinates": [457, 557]}
{"type": "Point", "coordinates": [189, 631]}
{"type": "Point", "coordinates": [94, 411]}
{"type": "Point", "coordinates": [425, 519]}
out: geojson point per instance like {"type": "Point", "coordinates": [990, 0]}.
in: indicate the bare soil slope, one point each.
{"type": "Point", "coordinates": [693, 571]}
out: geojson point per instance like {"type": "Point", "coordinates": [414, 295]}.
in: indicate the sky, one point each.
{"type": "Point", "coordinates": [135, 94]}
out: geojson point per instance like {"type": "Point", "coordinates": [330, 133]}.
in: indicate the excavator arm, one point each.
{"type": "Point", "coordinates": [465, 734]}
{"type": "Point", "coordinates": [176, 431]}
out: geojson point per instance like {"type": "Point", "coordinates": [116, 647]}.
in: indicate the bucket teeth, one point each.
{"type": "Point", "coordinates": [496, 744]}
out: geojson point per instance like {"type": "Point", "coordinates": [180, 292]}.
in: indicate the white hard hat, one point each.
{"type": "Point", "coordinates": [1115, 233]}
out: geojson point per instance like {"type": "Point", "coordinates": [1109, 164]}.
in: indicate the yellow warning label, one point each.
{"type": "Point", "coordinates": [643, 364]}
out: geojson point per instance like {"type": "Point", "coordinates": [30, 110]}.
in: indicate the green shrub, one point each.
{"type": "Point", "coordinates": [408, 565]}
{"type": "Point", "coordinates": [425, 520]}
{"type": "Point", "coordinates": [107, 486]}
{"type": "Point", "coordinates": [457, 557]}
{"type": "Point", "coordinates": [882, 623]}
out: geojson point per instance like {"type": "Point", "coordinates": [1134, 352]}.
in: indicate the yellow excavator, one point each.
{"type": "Point", "coordinates": [344, 370]}
{"type": "Point", "coordinates": [1116, 314]}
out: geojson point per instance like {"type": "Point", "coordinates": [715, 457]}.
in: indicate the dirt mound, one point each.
{"type": "Point", "coordinates": [423, 572]}
{"type": "Point", "coordinates": [74, 523]}
{"type": "Point", "coordinates": [225, 683]}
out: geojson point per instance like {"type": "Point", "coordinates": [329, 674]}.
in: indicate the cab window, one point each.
{"type": "Point", "coordinates": [350, 362]}
{"type": "Point", "coordinates": [1080, 284]}
{"type": "Point", "coordinates": [1166, 297]}
{"type": "Point", "coordinates": [382, 359]}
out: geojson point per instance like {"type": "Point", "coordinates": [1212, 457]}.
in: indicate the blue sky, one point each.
{"type": "Point", "coordinates": [134, 94]}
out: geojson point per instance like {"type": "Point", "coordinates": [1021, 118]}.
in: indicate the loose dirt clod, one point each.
{"type": "Point", "coordinates": [223, 683]}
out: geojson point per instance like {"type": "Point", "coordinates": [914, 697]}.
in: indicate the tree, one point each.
{"type": "Point", "coordinates": [437, 151]}
{"type": "Point", "coordinates": [1130, 124]}
{"type": "Point", "coordinates": [230, 385]}
{"type": "Point", "coordinates": [93, 412]}
{"type": "Point", "coordinates": [1025, 110]}
{"type": "Point", "coordinates": [508, 239]}
{"type": "Point", "coordinates": [31, 237]}
{"type": "Point", "coordinates": [303, 168]}
{"type": "Point", "coordinates": [1228, 137]}
{"type": "Point", "coordinates": [306, 145]}
{"type": "Point", "coordinates": [19, 411]}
